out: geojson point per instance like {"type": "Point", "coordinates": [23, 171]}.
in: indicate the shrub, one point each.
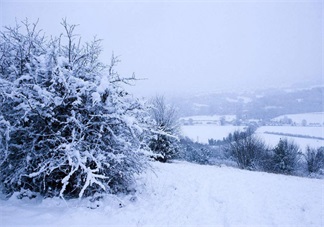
{"type": "Point", "coordinates": [67, 126]}
{"type": "Point", "coordinates": [285, 157]}
{"type": "Point", "coordinates": [245, 148]}
{"type": "Point", "coordinates": [165, 127]}
{"type": "Point", "coordinates": [314, 159]}
{"type": "Point", "coordinates": [196, 152]}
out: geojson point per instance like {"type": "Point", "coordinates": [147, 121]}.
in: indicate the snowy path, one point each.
{"type": "Point", "coordinates": [183, 194]}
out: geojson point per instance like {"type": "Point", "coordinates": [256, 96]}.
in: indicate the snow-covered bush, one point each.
{"type": "Point", "coordinates": [195, 152]}
{"type": "Point", "coordinates": [67, 126]}
{"type": "Point", "coordinates": [246, 149]}
{"type": "Point", "coordinates": [314, 159]}
{"type": "Point", "coordinates": [164, 141]}
{"type": "Point", "coordinates": [285, 157]}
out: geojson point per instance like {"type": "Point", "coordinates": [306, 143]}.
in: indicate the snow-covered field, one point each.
{"type": "Point", "coordinates": [273, 140]}
{"type": "Point", "coordinates": [201, 133]}
{"type": "Point", "coordinates": [294, 130]}
{"type": "Point", "coordinates": [184, 194]}
{"type": "Point", "coordinates": [207, 118]}
{"type": "Point", "coordinates": [297, 130]}
{"type": "Point", "coordinates": [311, 118]}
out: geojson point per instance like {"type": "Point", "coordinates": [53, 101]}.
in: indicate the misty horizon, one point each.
{"type": "Point", "coordinates": [194, 47]}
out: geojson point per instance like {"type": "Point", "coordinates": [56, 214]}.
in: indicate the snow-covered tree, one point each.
{"type": "Point", "coordinates": [285, 157]}
{"type": "Point", "coordinates": [314, 159]}
{"type": "Point", "coordinates": [195, 152]}
{"type": "Point", "coordinates": [165, 129]}
{"type": "Point", "coordinates": [245, 148]}
{"type": "Point", "coordinates": [67, 126]}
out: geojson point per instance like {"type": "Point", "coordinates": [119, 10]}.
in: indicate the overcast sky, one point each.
{"type": "Point", "coordinates": [194, 46]}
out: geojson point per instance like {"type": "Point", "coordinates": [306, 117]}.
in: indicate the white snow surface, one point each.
{"type": "Point", "coordinates": [202, 132]}
{"type": "Point", "coordinates": [294, 130]}
{"type": "Point", "coordinates": [273, 140]}
{"type": "Point", "coordinates": [303, 143]}
{"type": "Point", "coordinates": [210, 117]}
{"type": "Point", "coordinates": [311, 118]}
{"type": "Point", "coordinates": [185, 194]}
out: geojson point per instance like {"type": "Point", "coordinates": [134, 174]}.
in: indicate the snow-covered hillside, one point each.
{"type": "Point", "coordinates": [184, 194]}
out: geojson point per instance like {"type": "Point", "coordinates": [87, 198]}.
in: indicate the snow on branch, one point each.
{"type": "Point", "coordinates": [67, 127]}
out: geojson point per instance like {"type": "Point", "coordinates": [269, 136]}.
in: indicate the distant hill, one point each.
{"type": "Point", "coordinates": [262, 104]}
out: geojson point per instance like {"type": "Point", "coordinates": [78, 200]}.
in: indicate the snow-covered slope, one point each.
{"type": "Point", "coordinates": [184, 194]}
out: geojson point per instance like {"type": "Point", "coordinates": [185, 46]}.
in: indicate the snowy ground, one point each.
{"type": "Point", "coordinates": [299, 130]}
{"type": "Point", "coordinates": [184, 194]}
{"type": "Point", "coordinates": [202, 132]}
{"type": "Point", "coordinates": [272, 140]}
{"type": "Point", "coordinates": [209, 118]}
{"type": "Point", "coordinates": [311, 118]}
{"type": "Point", "coordinates": [303, 131]}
